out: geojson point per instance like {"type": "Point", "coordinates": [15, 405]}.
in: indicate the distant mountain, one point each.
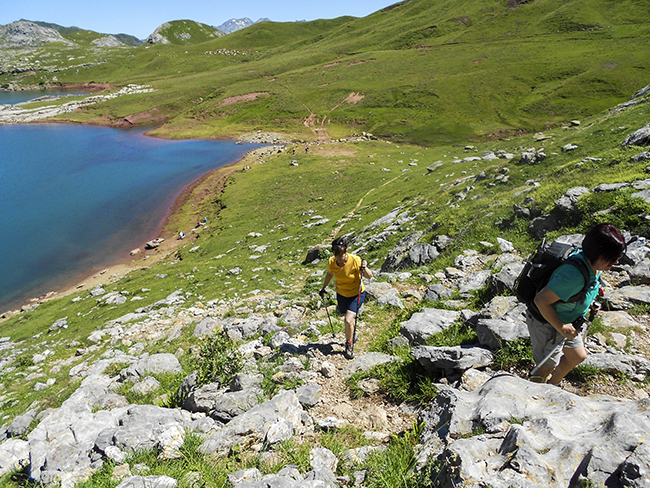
{"type": "Point", "coordinates": [25, 33]}
{"type": "Point", "coordinates": [233, 25]}
{"type": "Point", "coordinates": [104, 40]}
{"type": "Point", "coordinates": [183, 32]}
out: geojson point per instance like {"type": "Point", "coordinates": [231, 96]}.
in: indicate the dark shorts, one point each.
{"type": "Point", "coordinates": [345, 304]}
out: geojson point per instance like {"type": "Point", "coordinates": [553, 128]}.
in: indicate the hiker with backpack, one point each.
{"type": "Point", "coordinates": [347, 270]}
{"type": "Point", "coordinates": [558, 310]}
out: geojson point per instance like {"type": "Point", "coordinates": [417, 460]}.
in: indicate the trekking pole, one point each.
{"type": "Point", "coordinates": [532, 373]}
{"type": "Point", "coordinates": [356, 317]}
{"type": "Point", "coordinates": [328, 315]}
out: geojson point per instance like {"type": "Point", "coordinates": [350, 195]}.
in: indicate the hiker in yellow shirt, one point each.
{"type": "Point", "coordinates": [347, 270]}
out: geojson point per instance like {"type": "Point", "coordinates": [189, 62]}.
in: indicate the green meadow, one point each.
{"type": "Point", "coordinates": [428, 72]}
{"type": "Point", "coordinates": [435, 81]}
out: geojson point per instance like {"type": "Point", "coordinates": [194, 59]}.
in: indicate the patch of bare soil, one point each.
{"type": "Point", "coordinates": [331, 64]}
{"type": "Point", "coordinates": [240, 98]}
{"type": "Point", "coordinates": [334, 151]}
{"type": "Point", "coordinates": [149, 117]}
{"type": "Point", "coordinates": [355, 98]}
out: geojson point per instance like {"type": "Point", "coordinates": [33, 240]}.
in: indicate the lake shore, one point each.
{"type": "Point", "coordinates": [180, 213]}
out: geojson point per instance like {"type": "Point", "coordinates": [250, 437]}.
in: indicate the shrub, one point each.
{"type": "Point", "coordinates": [219, 360]}
{"type": "Point", "coordinates": [517, 354]}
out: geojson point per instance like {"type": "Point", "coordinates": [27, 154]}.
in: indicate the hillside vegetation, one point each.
{"type": "Point", "coordinates": [249, 259]}
{"type": "Point", "coordinates": [419, 71]}
{"type": "Point", "coordinates": [445, 87]}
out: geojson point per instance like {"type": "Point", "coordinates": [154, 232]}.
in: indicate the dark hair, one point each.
{"type": "Point", "coordinates": [604, 241]}
{"type": "Point", "coordinates": [339, 246]}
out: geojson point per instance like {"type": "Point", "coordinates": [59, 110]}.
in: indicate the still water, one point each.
{"type": "Point", "coordinates": [74, 198]}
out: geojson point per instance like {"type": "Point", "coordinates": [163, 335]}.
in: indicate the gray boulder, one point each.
{"type": "Point", "coordinates": [148, 482]}
{"type": "Point", "coordinates": [539, 226]}
{"type": "Point", "coordinates": [617, 319]}
{"type": "Point", "coordinates": [233, 403]}
{"type": "Point", "coordinates": [14, 455]}
{"type": "Point", "coordinates": [422, 253]}
{"type": "Point", "coordinates": [313, 254]}
{"type": "Point", "coordinates": [398, 258]}
{"type": "Point", "coordinates": [536, 435]}
{"type": "Point", "coordinates": [625, 297]}
{"type": "Point", "coordinates": [474, 281]}
{"type": "Point", "coordinates": [391, 298]}
{"type": "Point", "coordinates": [492, 332]}
{"type": "Point", "coordinates": [239, 329]}
{"type": "Point", "coordinates": [640, 273]}
{"type": "Point", "coordinates": [630, 365]}
{"type": "Point", "coordinates": [365, 362]}
{"type": "Point", "coordinates": [426, 323]}
{"type": "Point", "coordinates": [566, 205]}
{"type": "Point", "coordinates": [154, 364]}
{"type": "Point", "coordinates": [375, 289]}
{"type": "Point", "coordinates": [505, 278]}
{"type": "Point", "coordinates": [21, 423]}
{"type": "Point", "coordinates": [206, 327]}
{"type": "Point", "coordinates": [498, 307]}
{"type": "Point", "coordinates": [309, 395]}
{"type": "Point", "coordinates": [251, 427]}
{"type": "Point", "coordinates": [451, 360]}
{"type": "Point", "coordinates": [640, 137]}
{"type": "Point", "coordinates": [644, 156]}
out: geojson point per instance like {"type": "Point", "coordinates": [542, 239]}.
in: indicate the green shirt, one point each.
{"type": "Point", "coordinates": [566, 281]}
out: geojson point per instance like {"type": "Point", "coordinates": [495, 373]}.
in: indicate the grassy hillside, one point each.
{"type": "Point", "coordinates": [184, 32]}
{"type": "Point", "coordinates": [421, 71]}
{"type": "Point", "coordinates": [260, 224]}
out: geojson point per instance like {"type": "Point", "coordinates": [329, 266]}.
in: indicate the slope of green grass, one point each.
{"type": "Point", "coordinates": [186, 32]}
{"type": "Point", "coordinates": [429, 71]}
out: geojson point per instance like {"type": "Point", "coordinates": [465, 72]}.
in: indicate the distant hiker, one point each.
{"type": "Point", "coordinates": [306, 149]}
{"type": "Point", "coordinates": [347, 269]}
{"type": "Point", "coordinates": [602, 247]}
{"type": "Point", "coordinates": [181, 235]}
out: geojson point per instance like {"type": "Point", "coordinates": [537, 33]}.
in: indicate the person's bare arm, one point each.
{"type": "Point", "coordinates": [544, 299]}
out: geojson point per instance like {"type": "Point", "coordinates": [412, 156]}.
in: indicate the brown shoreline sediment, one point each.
{"type": "Point", "coordinates": [211, 183]}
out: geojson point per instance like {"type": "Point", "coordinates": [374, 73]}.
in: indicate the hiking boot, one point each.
{"type": "Point", "coordinates": [538, 379]}
{"type": "Point", "coordinates": [349, 350]}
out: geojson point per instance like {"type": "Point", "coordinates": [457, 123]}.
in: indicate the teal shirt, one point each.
{"type": "Point", "coordinates": [566, 281]}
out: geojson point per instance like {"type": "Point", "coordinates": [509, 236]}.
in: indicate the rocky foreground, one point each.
{"type": "Point", "coordinates": [485, 427]}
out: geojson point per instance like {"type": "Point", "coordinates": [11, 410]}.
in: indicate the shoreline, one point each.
{"type": "Point", "coordinates": [212, 181]}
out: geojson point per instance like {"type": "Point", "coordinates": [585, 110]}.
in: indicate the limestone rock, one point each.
{"type": "Point", "coordinates": [426, 323]}
{"type": "Point", "coordinates": [451, 360]}
{"type": "Point", "coordinates": [536, 435]}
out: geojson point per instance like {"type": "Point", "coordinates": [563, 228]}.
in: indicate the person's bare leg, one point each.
{"type": "Point", "coordinates": [349, 325]}
{"type": "Point", "coordinates": [570, 359]}
{"type": "Point", "coordinates": [542, 374]}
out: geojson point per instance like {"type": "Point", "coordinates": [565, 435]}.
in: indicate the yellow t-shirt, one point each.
{"type": "Point", "coordinates": [347, 278]}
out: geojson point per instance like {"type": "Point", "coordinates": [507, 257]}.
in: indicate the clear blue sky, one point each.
{"type": "Point", "coordinates": [140, 18]}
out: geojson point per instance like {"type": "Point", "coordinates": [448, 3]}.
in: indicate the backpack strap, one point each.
{"type": "Point", "coordinates": [582, 266]}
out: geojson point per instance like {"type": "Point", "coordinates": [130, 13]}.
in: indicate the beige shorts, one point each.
{"type": "Point", "coordinates": [544, 338]}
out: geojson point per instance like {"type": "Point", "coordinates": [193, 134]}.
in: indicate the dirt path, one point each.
{"type": "Point", "coordinates": [373, 412]}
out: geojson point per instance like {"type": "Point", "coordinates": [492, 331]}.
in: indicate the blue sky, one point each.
{"type": "Point", "coordinates": [140, 18]}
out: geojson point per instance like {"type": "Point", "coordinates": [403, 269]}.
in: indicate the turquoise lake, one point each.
{"type": "Point", "coordinates": [77, 198]}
